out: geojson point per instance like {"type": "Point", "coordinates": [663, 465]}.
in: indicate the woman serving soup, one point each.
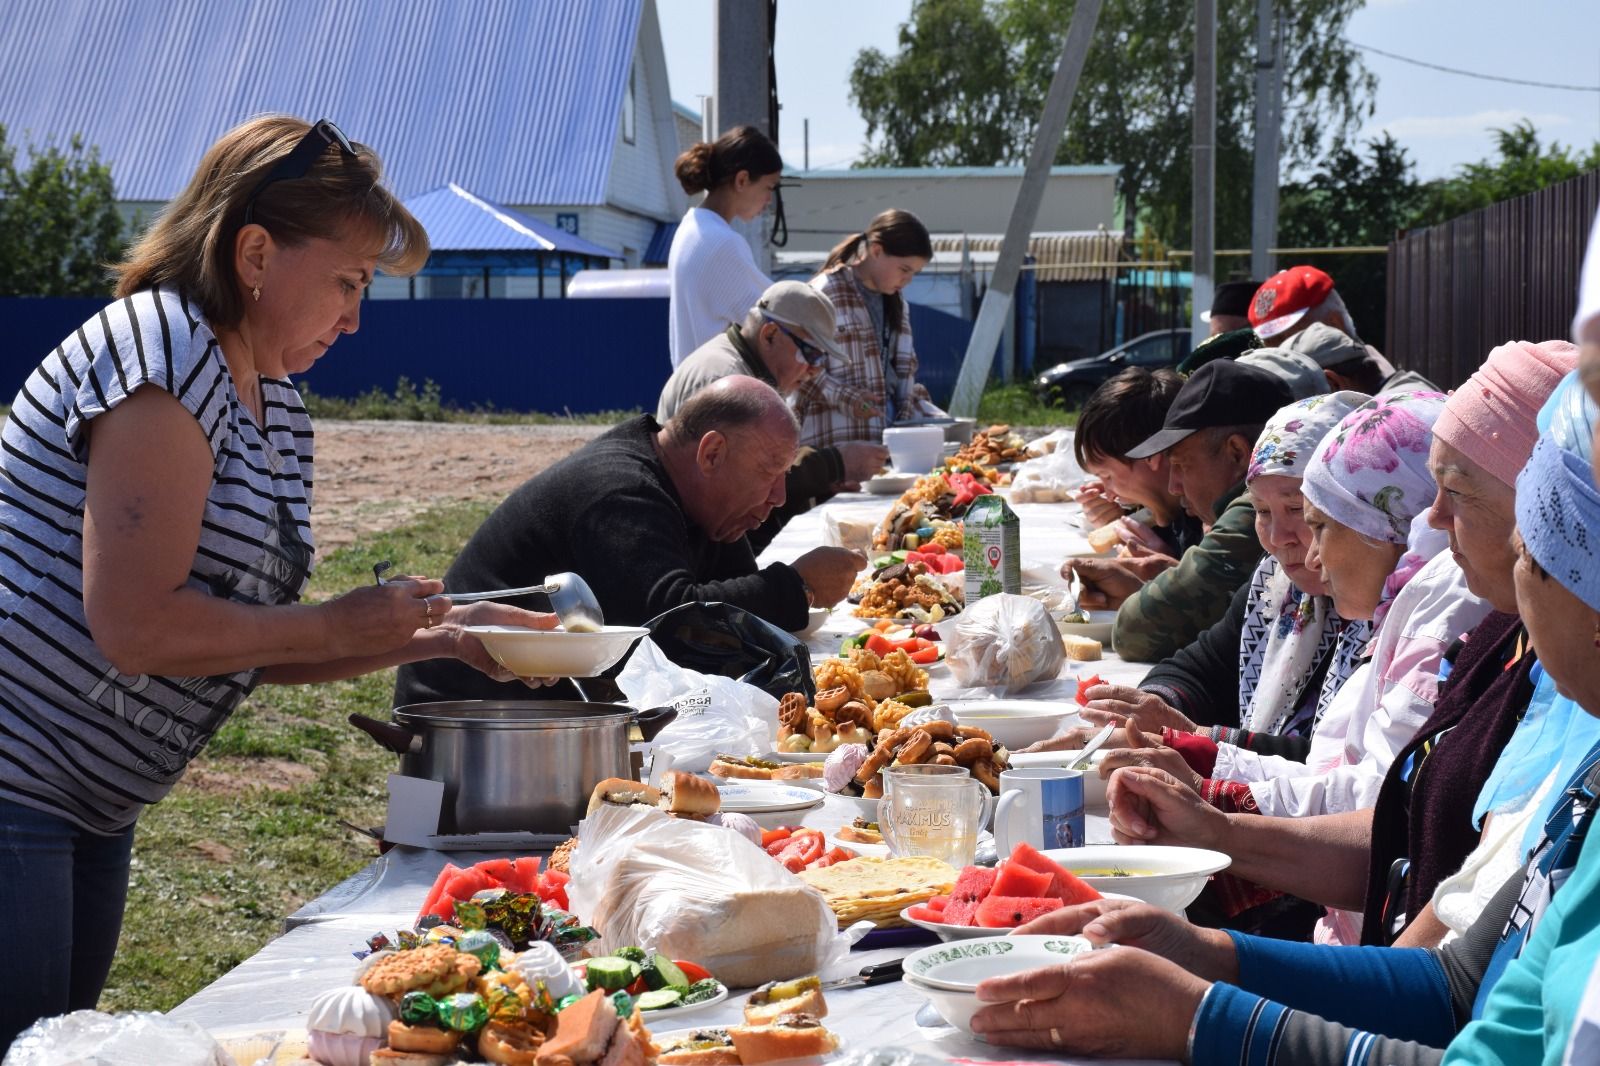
{"type": "Point", "coordinates": [155, 527]}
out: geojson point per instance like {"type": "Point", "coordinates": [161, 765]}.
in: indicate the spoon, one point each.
{"type": "Point", "coordinates": [570, 598]}
{"type": "Point", "coordinates": [1093, 746]}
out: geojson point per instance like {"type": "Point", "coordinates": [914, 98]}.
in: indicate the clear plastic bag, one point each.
{"type": "Point", "coordinates": [715, 714]}
{"type": "Point", "coordinates": [1002, 642]}
{"type": "Point", "coordinates": [699, 892]}
{"type": "Point", "coordinates": [90, 1038]}
{"type": "Point", "coordinates": [1050, 479]}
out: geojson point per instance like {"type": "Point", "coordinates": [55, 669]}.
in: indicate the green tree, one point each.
{"type": "Point", "coordinates": [59, 224]}
{"type": "Point", "coordinates": [969, 80]}
{"type": "Point", "coordinates": [1354, 199]}
{"type": "Point", "coordinates": [1523, 166]}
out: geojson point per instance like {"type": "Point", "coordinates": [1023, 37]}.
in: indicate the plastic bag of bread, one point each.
{"type": "Point", "coordinates": [695, 891]}
{"type": "Point", "coordinates": [839, 531]}
{"type": "Point", "coordinates": [1050, 479]}
{"type": "Point", "coordinates": [1002, 642]}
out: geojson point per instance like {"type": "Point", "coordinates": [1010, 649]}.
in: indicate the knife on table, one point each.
{"type": "Point", "coordinates": [876, 974]}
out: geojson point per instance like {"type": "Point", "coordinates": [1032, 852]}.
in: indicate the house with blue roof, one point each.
{"type": "Point", "coordinates": [554, 112]}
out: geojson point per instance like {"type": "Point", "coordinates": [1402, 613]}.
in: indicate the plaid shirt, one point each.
{"type": "Point", "coordinates": [828, 404]}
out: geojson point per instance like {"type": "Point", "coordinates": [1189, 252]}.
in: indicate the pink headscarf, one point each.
{"type": "Point", "coordinates": [1492, 417]}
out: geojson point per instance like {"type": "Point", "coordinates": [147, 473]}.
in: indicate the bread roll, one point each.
{"type": "Point", "coordinates": [623, 792]}
{"type": "Point", "coordinates": [793, 1036]}
{"type": "Point", "coordinates": [1105, 538]}
{"type": "Point", "coordinates": [685, 794]}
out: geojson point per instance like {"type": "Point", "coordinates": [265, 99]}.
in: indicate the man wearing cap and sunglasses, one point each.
{"type": "Point", "coordinates": [783, 341]}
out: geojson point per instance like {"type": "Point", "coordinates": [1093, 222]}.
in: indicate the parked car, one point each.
{"type": "Point", "coordinates": [1069, 384]}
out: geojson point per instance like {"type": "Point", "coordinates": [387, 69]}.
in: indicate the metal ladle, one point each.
{"type": "Point", "coordinates": [570, 598]}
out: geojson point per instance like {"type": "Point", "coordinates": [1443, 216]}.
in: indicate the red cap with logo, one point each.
{"type": "Point", "coordinates": [1284, 299]}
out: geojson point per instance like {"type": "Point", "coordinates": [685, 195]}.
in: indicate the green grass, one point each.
{"type": "Point", "coordinates": [407, 403]}
{"type": "Point", "coordinates": [253, 831]}
{"type": "Point", "coordinates": [1018, 405]}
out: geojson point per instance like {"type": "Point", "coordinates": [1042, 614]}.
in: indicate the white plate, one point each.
{"type": "Point", "coordinates": [888, 484]}
{"type": "Point", "coordinates": [555, 652]}
{"type": "Point", "coordinates": [1015, 724]}
{"type": "Point", "coordinates": [1098, 627]}
{"type": "Point", "coordinates": [974, 932]}
{"type": "Point", "coordinates": [763, 797]}
{"type": "Point", "coordinates": [815, 617]}
{"type": "Point", "coordinates": [648, 1016]}
{"type": "Point", "coordinates": [796, 756]}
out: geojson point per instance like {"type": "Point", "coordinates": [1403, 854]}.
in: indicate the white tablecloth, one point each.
{"type": "Point", "coordinates": [274, 987]}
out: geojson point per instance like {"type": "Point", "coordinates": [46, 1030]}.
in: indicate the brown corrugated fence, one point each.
{"type": "Point", "coordinates": [1508, 271]}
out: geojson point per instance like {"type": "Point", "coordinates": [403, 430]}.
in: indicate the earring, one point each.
{"type": "Point", "coordinates": [256, 292]}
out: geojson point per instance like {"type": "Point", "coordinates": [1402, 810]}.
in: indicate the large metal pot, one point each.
{"type": "Point", "coordinates": [513, 765]}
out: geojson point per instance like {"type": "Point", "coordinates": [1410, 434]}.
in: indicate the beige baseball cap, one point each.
{"type": "Point", "coordinates": [799, 306]}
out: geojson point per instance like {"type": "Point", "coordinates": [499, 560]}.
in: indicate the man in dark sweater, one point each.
{"type": "Point", "coordinates": [651, 517]}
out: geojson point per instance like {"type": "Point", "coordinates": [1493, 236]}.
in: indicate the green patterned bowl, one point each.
{"type": "Point", "coordinates": [960, 965]}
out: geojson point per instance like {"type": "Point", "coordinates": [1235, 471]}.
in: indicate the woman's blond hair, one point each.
{"type": "Point", "coordinates": [190, 245]}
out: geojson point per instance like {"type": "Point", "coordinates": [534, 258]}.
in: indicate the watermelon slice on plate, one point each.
{"type": "Point", "coordinates": [1008, 912]}
{"type": "Point", "coordinates": [974, 883]}
{"type": "Point", "coordinates": [924, 913]}
{"type": "Point", "coordinates": [1016, 879]}
{"type": "Point", "coordinates": [1067, 886]}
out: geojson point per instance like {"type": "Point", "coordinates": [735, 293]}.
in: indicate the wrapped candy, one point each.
{"type": "Point", "coordinates": [517, 914]}
{"type": "Point", "coordinates": [567, 1001]}
{"type": "Point", "coordinates": [442, 934]}
{"type": "Point", "coordinates": [470, 913]}
{"type": "Point", "coordinates": [407, 939]}
{"type": "Point", "coordinates": [464, 1012]}
{"type": "Point", "coordinates": [377, 942]}
{"type": "Point", "coordinates": [428, 921]}
{"type": "Point", "coordinates": [481, 942]}
{"type": "Point", "coordinates": [505, 995]}
{"type": "Point", "coordinates": [418, 1008]}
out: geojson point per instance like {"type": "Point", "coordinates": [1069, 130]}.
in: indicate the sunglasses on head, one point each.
{"type": "Point", "coordinates": [808, 351]}
{"type": "Point", "coordinates": [300, 159]}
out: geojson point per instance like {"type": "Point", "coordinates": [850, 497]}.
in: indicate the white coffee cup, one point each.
{"type": "Point", "coordinates": [1042, 806]}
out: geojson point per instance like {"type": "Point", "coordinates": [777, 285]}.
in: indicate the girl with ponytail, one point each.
{"type": "Point", "coordinates": [857, 398]}
{"type": "Point", "coordinates": [713, 275]}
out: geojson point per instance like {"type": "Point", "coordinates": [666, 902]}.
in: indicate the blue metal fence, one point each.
{"type": "Point", "coordinates": [518, 355]}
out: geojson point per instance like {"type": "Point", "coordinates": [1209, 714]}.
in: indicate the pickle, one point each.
{"type": "Point", "coordinates": [914, 699]}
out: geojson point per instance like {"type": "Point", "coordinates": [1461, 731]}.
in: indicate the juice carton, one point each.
{"type": "Point", "coordinates": [991, 548]}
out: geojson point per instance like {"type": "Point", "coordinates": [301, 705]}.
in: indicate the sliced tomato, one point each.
{"type": "Point", "coordinates": [932, 548]}
{"type": "Point", "coordinates": [638, 988]}
{"type": "Point", "coordinates": [879, 645]}
{"type": "Point", "coordinates": [692, 971]}
{"type": "Point", "coordinates": [800, 850]}
{"type": "Point", "coordinates": [925, 656]}
{"type": "Point", "coordinates": [772, 836]}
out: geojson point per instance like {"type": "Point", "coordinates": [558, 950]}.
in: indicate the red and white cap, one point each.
{"type": "Point", "coordinates": [1284, 299]}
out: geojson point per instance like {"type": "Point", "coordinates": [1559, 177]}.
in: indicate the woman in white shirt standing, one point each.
{"type": "Point", "coordinates": [714, 277]}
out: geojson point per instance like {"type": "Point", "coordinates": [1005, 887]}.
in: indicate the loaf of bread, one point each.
{"type": "Point", "coordinates": [1082, 649]}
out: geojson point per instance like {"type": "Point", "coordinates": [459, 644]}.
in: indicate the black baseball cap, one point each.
{"type": "Point", "coordinates": [1223, 393]}
{"type": "Point", "coordinates": [1232, 298]}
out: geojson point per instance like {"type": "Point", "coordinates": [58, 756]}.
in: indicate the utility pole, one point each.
{"type": "Point", "coordinates": [1269, 117]}
{"type": "Point", "coordinates": [740, 77]}
{"type": "Point", "coordinates": [996, 307]}
{"type": "Point", "coordinates": [1205, 161]}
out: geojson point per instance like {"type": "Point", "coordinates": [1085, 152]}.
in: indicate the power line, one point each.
{"type": "Point", "coordinates": [1474, 73]}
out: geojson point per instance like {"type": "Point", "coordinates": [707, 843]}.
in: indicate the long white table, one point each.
{"type": "Point", "coordinates": [273, 988]}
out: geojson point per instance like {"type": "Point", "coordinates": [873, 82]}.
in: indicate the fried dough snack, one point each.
{"type": "Point", "coordinates": [906, 675]}
{"type": "Point", "coordinates": [833, 673]}
{"type": "Point", "coordinates": [936, 742]}
{"type": "Point", "coordinates": [887, 715]}
{"type": "Point", "coordinates": [952, 537]}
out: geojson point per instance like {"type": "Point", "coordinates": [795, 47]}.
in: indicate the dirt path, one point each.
{"type": "Point", "coordinates": [373, 476]}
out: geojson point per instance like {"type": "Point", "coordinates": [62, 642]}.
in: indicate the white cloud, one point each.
{"type": "Point", "coordinates": [1423, 126]}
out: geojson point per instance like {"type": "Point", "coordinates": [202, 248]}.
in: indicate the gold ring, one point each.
{"type": "Point", "coordinates": [1055, 1036]}
{"type": "Point", "coordinates": [427, 612]}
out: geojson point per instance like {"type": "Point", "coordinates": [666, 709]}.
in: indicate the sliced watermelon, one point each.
{"type": "Point", "coordinates": [1066, 885]}
{"type": "Point", "coordinates": [436, 893]}
{"type": "Point", "coordinates": [1008, 912]}
{"type": "Point", "coordinates": [553, 888]}
{"type": "Point", "coordinates": [973, 884]}
{"type": "Point", "coordinates": [499, 869]}
{"type": "Point", "coordinates": [1016, 879]}
{"type": "Point", "coordinates": [939, 903]}
{"type": "Point", "coordinates": [923, 913]}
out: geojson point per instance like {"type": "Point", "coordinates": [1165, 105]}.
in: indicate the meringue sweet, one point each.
{"type": "Point", "coordinates": [742, 824]}
{"type": "Point", "coordinates": [542, 962]}
{"type": "Point", "coordinates": [346, 1025]}
{"type": "Point", "coordinates": [841, 767]}
{"type": "Point", "coordinates": [924, 715]}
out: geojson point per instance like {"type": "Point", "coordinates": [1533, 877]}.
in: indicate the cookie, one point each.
{"type": "Point", "coordinates": [436, 969]}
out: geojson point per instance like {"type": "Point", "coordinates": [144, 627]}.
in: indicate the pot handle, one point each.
{"type": "Point", "coordinates": [397, 738]}
{"type": "Point", "coordinates": [654, 720]}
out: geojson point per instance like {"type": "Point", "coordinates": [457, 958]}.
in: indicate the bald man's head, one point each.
{"type": "Point", "coordinates": [728, 451]}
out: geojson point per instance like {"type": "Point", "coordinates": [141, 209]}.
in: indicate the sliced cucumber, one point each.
{"type": "Point", "coordinates": [701, 991]}
{"type": "Point", "coordinates": [662, 972]}
{"type": "Point", "coordinates": [610, 973]}
{"type": "Point", "coordinates": [659, 999]}
{"type": "Point", "coordinates": [638, 955]}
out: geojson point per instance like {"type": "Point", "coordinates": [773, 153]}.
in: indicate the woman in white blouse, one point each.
{"type": "Point", "coordinates": [714, 278]}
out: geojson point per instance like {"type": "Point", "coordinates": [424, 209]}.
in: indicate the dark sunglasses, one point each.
{"type": "Point", "coordinates": [808, 351]}
{"type": "Point", "coordinates": [300, 158]}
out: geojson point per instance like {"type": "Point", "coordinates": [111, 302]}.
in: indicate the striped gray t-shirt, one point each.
{"type": "Point", "coordinates": [78, 739]}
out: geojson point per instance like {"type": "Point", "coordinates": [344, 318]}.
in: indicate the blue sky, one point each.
{"type": "Point", "coordinates": [1442, 119]}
